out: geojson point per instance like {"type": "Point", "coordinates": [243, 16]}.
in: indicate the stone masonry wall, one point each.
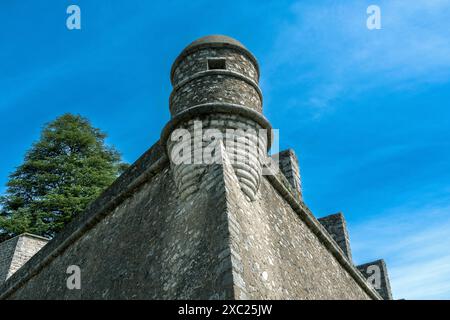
{"type": "Point", "coordinates": [337, 227]}
{"type": "Point", "coordinates": [195, 84]}
{"type": "Point", "coordinates": [7, 249]}
{"type": "Point", "coordinates": [248, 166]}
{"type": "Point", "coordinates": [289, 166]}
{"type": "Point", "coordinates": [15, 252]}
{"type": "Point", "coordinates": [276, 256]}
{"type": "Point", "coordinates": [377, 275]}
{"type": "Point", "coordinates": [215, 88]}
{"type": "Point", "coordinates": [27, 246]}
{"type": "Point", "coordinates": [196, 62]}
{"type": "Point", "coordinates": [152, 246]}
{"type": "Point", "coordinates": [217, 245]}
{"type": "Point", "coordinates": [223, 231]}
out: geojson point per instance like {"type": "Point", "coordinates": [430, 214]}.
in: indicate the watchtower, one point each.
{"type": "Point", "coordinates": [215, 86]}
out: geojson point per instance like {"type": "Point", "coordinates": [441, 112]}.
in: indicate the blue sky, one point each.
{"type": "Point", "coordinates": [366, 111]}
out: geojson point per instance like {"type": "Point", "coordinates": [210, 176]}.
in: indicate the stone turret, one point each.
{"type": "Point", "coordinates": [215, 89]}
{"type": "Point", "coordinates": [15, 252]}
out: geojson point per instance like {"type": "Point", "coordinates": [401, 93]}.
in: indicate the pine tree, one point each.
{"type": "Point", "coordinates": [62, 173]}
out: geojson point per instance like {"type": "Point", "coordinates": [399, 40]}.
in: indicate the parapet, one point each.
{"type": "Point", "coordinates": [15, 252]}
{"type": "Point", "coordinates": [377, 275]}
{"type": "Point", "coordinates": [337, 227]}
{"type": "Point", "coordinates": [289, 166]}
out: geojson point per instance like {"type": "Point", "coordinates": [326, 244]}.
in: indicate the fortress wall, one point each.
{"type": "Point", "coordinates": [7, 249]}
{"type": "Point", "coordinates": [288, 164]}
{"type": "Point", "coordinates": [149, 247]}
{"type": "Point", "coordinates": [234, 82]}
{"type": "Point", "coordinates": [277, 256]}
{"type": "Point", "coordinates": [217, 245]}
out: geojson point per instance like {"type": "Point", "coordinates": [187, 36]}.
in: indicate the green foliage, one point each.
{"type": "Point", "coordinates": [62, 173]}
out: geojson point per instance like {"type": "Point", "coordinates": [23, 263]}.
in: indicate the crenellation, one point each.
{"type": "Point", "coordinates": [223, 89]}
{"type": "Point", "coordinates": [15, 252]}
{"type": "Point", "coordinates": [337, 227]}
{"type": "Point", "coordinates": [288, 164]}
{"type": "Point", "coordinates": [377, 275]}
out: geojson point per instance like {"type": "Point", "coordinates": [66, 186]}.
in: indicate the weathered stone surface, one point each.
{"type": "Point", "coordinates": [247, 155]}
{"type": "Point", "coordinates": [218, 245]}
{"type": "Point", "coordinates": [142, 239]}
{"type": "Point", "coordinates": [377, 275]}
{"type": "Point", "coordinates": [337, 227]}
{"type": "Point", "coordinates": [235, 84]}
{"type": "Point", "coordinates": [197, 62]}
{"type": "Point", "coordinates": [289, 166]}
{"type": "Point", "coordinates": [15, 252]}
{"type": "Point", "coordinates": [277, 256]}
{"type": "Point", "coordinates": [213, 87]}
{"type": "Point", "coordinates": [149, 247]}
{"type": "Point", "coordinates": [7, 250]}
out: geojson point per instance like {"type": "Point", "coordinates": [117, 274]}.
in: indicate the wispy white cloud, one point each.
{"type": "Point", "coordinates": [415, 242]}
{"type": "Point", "coordinates": [329, 47]}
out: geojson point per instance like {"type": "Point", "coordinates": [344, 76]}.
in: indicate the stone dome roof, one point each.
{"type": "Point", "coordinates": [215, 40]}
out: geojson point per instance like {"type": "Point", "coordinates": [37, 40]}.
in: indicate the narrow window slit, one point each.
{"type": "Point", "coordinates": [216, 64]}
